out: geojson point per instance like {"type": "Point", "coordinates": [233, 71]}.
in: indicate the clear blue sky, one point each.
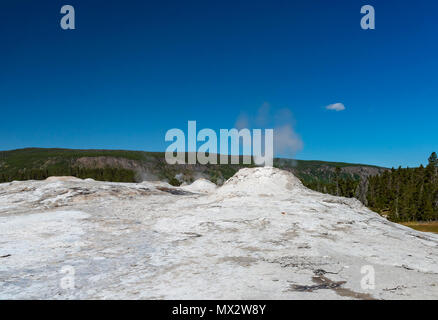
{"type": "Point", "coordinates": [134, 69]}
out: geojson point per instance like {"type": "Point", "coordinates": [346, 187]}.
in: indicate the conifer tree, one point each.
{"type": "Point", "coordinates": [433, 159]}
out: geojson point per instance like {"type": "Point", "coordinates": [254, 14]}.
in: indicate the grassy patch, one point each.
{"type": "Point", "coordinates": [423, 226]}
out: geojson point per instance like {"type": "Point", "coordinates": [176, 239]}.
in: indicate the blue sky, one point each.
{"type": "Point", "coordinates": [134, 69]}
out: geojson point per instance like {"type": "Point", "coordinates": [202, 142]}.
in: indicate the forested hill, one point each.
{"type": "Point", "coordinates": [131, 166]}
{"type": "Point", "coordinates": [400, 194]}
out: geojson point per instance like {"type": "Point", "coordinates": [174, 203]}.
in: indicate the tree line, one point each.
{"type": "Point", "coordinates": [101, 174]}
{"type": "Point", "coordinates": [402, 195]}
{"type": "Point", "coordinates": [406, 194]}
{"type": "Point", "coordinates": [339, 185]}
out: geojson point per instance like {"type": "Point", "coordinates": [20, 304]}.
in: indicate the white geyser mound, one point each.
{"type": "Point", "coordinates": [262, 235]}
{"type": "Point", "coordinates": [63, 179]}
{"type": "Point", "coordinates": [261, 181]}
{"type": "Point", "coordinates": [201, 186]}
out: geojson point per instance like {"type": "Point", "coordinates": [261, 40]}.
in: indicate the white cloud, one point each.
{"type": "Point", "coordinates": [336, 107]}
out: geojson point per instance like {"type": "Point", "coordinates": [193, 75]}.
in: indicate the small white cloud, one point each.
{"type": "Point", "coordinates": [336, 107]}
